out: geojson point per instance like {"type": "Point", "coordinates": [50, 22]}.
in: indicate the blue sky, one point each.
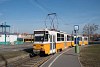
{"type": "Point", "coordinates": [28, 15]}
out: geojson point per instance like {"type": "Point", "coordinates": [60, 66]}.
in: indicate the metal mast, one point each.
{"type": "Point", "coordinates": [52, 17]}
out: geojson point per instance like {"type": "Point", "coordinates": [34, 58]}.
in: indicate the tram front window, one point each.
{"type": "Point", "coordinates": [39, 38]}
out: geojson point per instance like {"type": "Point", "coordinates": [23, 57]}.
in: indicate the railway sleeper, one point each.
{"type": "Point", "coordinates": [32, 55]}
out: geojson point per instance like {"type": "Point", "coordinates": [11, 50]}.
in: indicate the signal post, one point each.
{"type": "Point", "coordinates": [76, 29]}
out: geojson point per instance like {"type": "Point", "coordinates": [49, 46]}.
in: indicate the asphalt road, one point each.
{"type": "Point", "coordinates": [66, 58]}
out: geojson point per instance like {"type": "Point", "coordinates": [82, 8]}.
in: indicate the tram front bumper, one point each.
{"type": "Point", "coordinates": [36, 52]}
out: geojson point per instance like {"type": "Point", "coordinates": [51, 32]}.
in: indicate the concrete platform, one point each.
{"type": "Point", "coordinates": [66, 58]}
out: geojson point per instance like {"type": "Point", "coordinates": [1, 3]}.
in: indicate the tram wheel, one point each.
{"type": "Point", "coordinates": [42, 53]}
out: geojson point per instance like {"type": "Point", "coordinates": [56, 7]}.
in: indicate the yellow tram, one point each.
{"type": "Point", "coordinates": [48, 41]}
{"type": "Point", "coordinates": [82, 40]}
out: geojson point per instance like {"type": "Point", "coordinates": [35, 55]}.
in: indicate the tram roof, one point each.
{"type": "Point", "coordinates": [58, 31]}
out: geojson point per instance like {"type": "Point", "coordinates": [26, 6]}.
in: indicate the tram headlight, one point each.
{"type": "Point", "coordinates": [34, 46]}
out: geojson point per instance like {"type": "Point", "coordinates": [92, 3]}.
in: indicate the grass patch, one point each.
{"type": "Point", "coordinates": [90, 56]}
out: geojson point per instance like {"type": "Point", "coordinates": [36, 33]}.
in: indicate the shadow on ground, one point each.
{"type": "Point", "coordinates": [3, 59]}
{"type": "Point", "coordinates": [29, 50]}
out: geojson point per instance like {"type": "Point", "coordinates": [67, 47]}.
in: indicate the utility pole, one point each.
{"type": "Point", "coordinates": [2, 27]}
{"type": "Point", "coordinates": [4, 30]}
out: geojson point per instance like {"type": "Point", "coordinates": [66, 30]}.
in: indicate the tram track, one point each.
{"type": "Point", "coordinates": [29, 62]}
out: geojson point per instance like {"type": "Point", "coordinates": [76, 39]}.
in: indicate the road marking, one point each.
{"type": "Point", "coordinates": [47, 61]}
{"type": "Point", "coordinates": [79, 62]}
{"type": "Point", "coordinates": [57, 57]}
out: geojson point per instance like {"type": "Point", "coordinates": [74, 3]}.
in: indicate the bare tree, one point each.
{"type": "Point", "coordinates": [90, 29]}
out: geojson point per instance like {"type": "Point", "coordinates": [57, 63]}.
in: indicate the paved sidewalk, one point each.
{"type": "Point", "coordinates": [67, 58]}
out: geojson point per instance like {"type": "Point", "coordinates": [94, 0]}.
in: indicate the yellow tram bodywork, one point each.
{"type": "Point", "coordinates": [80, 43]}
{"type": "Point", "coordinates": [46, 46]}
{"type": "Point", "coordinates": [56, 41]}
{"type": "Point", "coordinates": [69, 44]}
{"type": "Point", "coordinates": [85, 40]}
{"type": "Point", "coordinates": [72, 43]}
{"type": "Point", "coordinates": [59, 46]}
{"type": "Point", "coordinates": [42, 47]}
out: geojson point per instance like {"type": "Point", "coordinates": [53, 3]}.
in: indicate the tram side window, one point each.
{"type": "Point", "coordinates": [62, 37]}
{"type": "Point", "coordinates": [68, 38]}
{"type": "Point", "coordinates": [58, 37]}
{"type": "Point", "coordinates": [72, 38]}
{"type": "Point", "coordinates": [46, 37]}
{"type": "Point", "coordinates": [80, 38]}
{"type": "Point", "coordinates": [85, 39]}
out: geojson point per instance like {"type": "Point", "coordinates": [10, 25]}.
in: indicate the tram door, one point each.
{"type": "Point", "coordinates": [82, 40]}
{"type": "Point", "coordinates": [52, 44]}
{"type": "Point", "coordinates": [65, 44]}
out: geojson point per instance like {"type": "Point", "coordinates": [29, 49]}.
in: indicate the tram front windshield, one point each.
{"type": "Point", "coordinates": [41, 36]}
